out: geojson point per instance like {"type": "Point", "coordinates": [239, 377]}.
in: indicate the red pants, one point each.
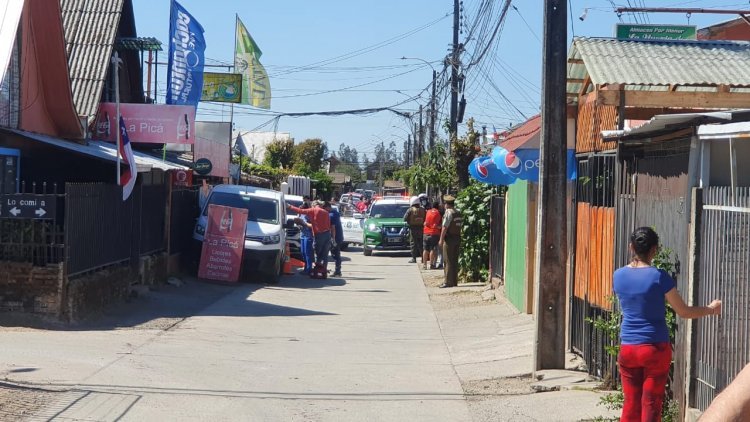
{"type": "Point", "coordinates": [644, 369]}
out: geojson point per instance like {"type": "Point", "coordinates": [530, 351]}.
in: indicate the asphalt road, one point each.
{"type": "Point", "coordinates": [365, 347]}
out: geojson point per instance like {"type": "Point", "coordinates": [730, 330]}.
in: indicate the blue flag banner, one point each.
{"type": "Point", "coordinates": [484, 170]}
{"type": "Point", "coordinates": [523, 163]}
{"type": "Point", "coordinates": [186, 57]}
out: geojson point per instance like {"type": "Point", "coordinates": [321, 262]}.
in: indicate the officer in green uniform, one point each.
{"type": "Point", "coordinates": [414, 217]}
{"type": "Point", "coordinates": [450, 241]}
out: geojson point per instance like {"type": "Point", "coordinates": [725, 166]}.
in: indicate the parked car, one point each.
{"type": "Point", "coordinates": [384, 226]}
{"type": "Point", "coordinates": [265, 235]}
{"type": "Point", "coordinates": [293, 231]}
{"type": "Point", "coordinates": [352, 223]}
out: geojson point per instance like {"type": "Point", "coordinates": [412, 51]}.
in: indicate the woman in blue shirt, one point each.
{"type": "Point", "coordinates": [306, 240]}
{"type": "Point", "coordinates": [645, 351]}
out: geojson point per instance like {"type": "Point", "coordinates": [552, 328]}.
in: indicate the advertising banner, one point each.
{"type": "Point", "coordinates": [181, 178]}
{"type": "Point", "coordinates": [626, 31]}
{"type": "Point", "coordinates": [186, 57]}
{"type": "Point", "coordinates": [256, 88]}
{"type": "Point", "coordinates": [223, 243]}
{"type": "Point", "coordinates": [222, 87]}
{"type": "Point", "coordinates": [147, 123]}
{"type": "Point", "coordinates": [212, 143]}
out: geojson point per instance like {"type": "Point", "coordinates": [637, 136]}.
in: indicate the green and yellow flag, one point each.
{"type": "Point", "coordinates": [256, 88]}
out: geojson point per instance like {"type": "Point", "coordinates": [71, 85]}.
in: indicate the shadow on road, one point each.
{"type": "Point", "coordinates": [164, 306]}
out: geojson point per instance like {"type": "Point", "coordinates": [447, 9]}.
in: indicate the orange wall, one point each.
{"type": "Point", "coordinates": [46, 99]}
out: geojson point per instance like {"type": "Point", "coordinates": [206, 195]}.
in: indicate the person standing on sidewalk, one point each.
{"type": "Point", "coordinates": [306, 239]}
{"type": "Point", "coordinates": [321, 228]}
{"type": "Point", "coordinates": [432, 229]}
{"type": "Point", "coordinates": [450, 242]}
{"type": "Point", "coordinates": [338, 237]}
{"type": "Point", "coordinates": [414, 217]}
{"type": "Point", "coordinates": [645, 350]}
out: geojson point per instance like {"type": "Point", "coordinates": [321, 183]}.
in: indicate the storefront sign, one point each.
{"type": "Point", "coordinates": [148, 123]}
{"type": "Point", "coordinates": [181, 178]}
{"type": "Point", "coordinates": [223, 243]}
{"type": "Point", "coordinates": [624, 31]}
{"type": "Point", "coordinates": [26, 205]}
{"type": "Point", "coordinates": [222, 87]}
{"type": "Point", "coordinates": [203, 166]}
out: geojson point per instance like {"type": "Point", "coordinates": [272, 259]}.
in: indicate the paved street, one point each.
{"type": "Point", "coordinates": [368, 347]}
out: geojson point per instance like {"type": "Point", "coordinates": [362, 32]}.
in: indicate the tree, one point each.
{"type": "Point", "coordinates": [464, 151]}
{"type": "Point", "coordinates": [308, 156]}
{"type": "Point", "coordinates": [351, 170]}
{"type": "Point", "coordinates": [279, 154]}
{"type": "Point", "coordinates": [348, 155]}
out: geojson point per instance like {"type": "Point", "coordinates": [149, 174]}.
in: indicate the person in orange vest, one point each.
{"type": "Point", "coordinates": [432, 224]}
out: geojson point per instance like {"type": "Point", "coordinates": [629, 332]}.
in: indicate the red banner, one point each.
{"type": "Point", "coordinates": [223, 243]}
{"type": "Point", "coordinates": [148, 123]}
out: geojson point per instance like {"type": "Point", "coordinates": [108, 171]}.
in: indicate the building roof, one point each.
{"type": "Point", "coordinates": [339, 178]}
{"type": "Point", "coordinates": [526, 135]}
{"type": "Point", "coordinates": [90, 31]}
{"type": "Point", "coordinates": [668, 123]}
{"type": "Point", "coordinates": [106, 151]}
{"type": "Point", "coordinates": [657, 64]}
{"type": "Point", "coordinates": [393, 184]}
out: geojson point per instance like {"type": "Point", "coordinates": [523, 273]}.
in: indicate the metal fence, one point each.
{"type": "Point", "coordinates": [39, 240]}
{"type": "Point", "coordinates": [722, 345]}
{"type": "Point", "coordinates": [497, 236]}
{"type": "Point", "coordinates": [102, 229]}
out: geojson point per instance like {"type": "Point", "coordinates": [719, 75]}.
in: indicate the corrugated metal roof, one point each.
{"type": "Point", "coordinates": [90, 31]}
{"type": "Point", "coordinates": [659, 63]}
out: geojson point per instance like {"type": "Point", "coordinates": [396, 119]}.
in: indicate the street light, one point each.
{"type": "Point", "coordinates": [432, 98]}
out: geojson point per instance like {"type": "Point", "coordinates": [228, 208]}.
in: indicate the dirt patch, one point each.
{"type": "Point", "coordinates": [513, 386]}
{"type": "Point", "coordinates": [463, 295]}
{"type": "Point", "coordinates": [19, 403]}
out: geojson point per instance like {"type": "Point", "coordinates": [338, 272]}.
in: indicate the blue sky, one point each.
{"type": "Point", "coordinates": [297, 33]}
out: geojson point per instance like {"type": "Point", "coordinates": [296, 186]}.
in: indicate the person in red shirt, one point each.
{"type": "Point", "coordinates": [321, 228]}
{"type": "Point", "coordinates": [433, 223]}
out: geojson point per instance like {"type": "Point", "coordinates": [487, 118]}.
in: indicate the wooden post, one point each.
{"type": "Point", "coordinates": [551, 250]}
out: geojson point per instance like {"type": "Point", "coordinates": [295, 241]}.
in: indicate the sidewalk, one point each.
{"type": "Point", "coordinates": [491, 345]}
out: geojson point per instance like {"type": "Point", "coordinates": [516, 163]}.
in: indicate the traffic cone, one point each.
{"type": "Point", "coordinates": [288, 261]}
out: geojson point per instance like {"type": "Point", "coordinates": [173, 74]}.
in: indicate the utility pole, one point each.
{"type": "Point", "coordinates": [382, 157]}
{"type": "Point", "coordinates": [116, 70]}
{"type": "Point", "coordinates": [432, 110]}
{"type": "Point", "coordinates": [551, 242]}
{"type": "Point", "coordinates": [419, 143]}
{"type": "Point", "coordinates": [455, 57]}
{"type": "Point", "coordinates": [408, 152]}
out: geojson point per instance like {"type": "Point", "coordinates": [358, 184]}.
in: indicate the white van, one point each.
{"type": "Point", "coordinates": [265, 234]}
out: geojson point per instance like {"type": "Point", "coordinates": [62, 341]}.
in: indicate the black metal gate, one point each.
{"type": "Point", "coordinates": [497, 236]}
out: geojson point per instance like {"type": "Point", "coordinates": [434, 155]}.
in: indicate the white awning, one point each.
{"type": "Point", "coordinates": [725, 131]}
{"type": "Point", "coordinates": [102, 150]}
{"type": "Point", "coordinates": [664, 123]}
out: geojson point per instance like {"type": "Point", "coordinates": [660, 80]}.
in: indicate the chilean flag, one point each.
{"type": "Point", "coordinates": [130, 172]}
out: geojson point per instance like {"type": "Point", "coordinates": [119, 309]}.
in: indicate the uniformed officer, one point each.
{"type": "Point", "coordinates": [450, 242]}
{"type": "Point", "coordinates": [414, 217]}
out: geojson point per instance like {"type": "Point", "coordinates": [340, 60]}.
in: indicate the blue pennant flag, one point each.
{"type": "Point", "coordinates": [186, 57]}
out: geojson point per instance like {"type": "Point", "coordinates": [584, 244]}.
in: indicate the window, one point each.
{"type": "Point", "coordinates": [262, 210]}
{"type": "Point", "coordinates": [388, 210]}
{"type": "Point", "coordinates": [9, 91]}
